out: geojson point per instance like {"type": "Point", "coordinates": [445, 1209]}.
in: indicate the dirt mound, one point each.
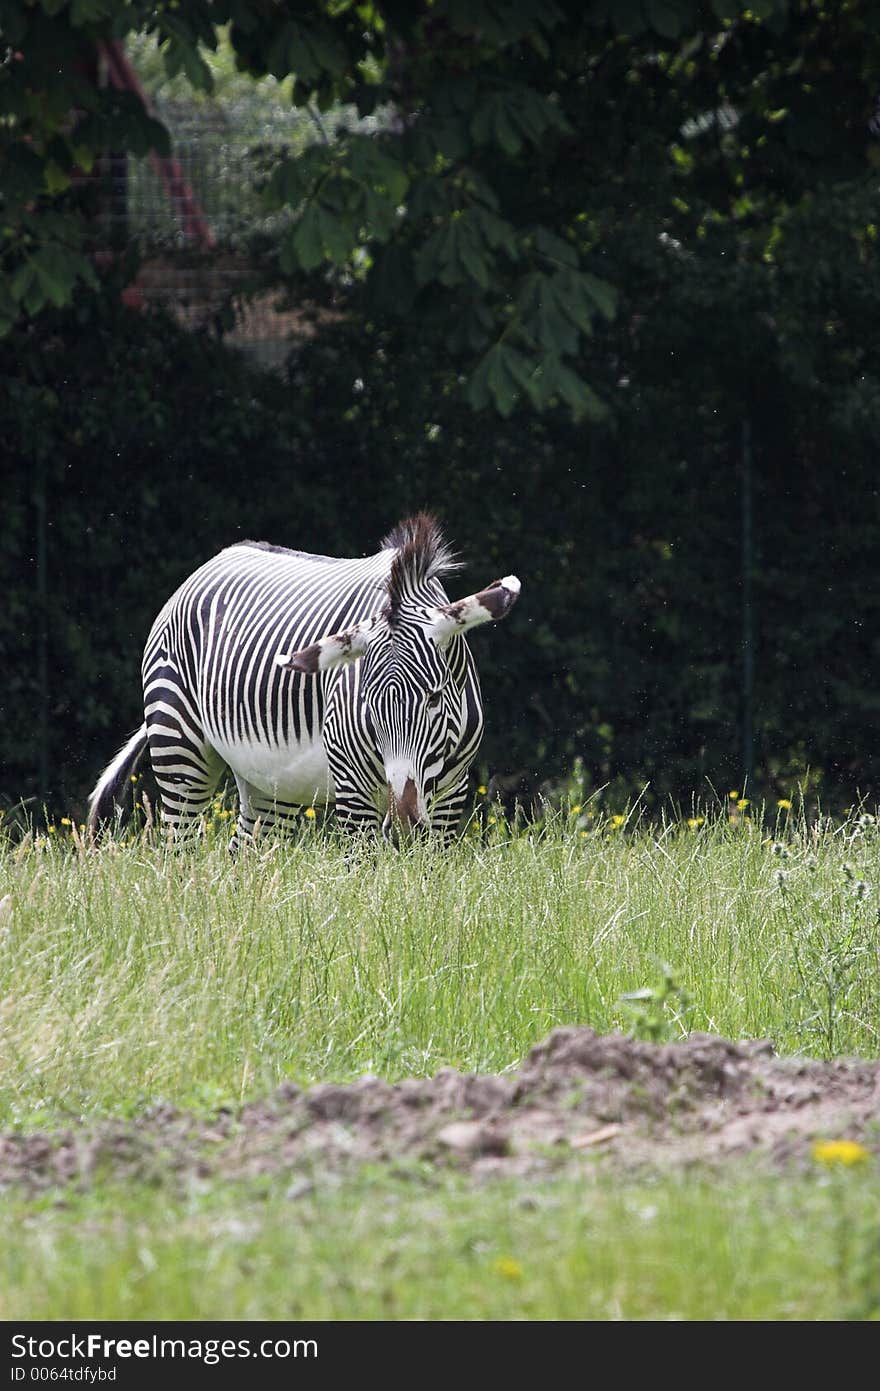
{"type": "Point", "coordinates": [576, 1094]}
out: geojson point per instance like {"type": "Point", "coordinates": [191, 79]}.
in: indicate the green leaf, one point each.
{"type": "Point", "coordinates": [306, 240]}
{"type": "Point", "coordinates": [22, 280]}
{"type": "Point", "coordinates": [329, 52]}
{"type": "Point", "coordinates": [548, 244]}
{"type": "Point", "coordinates": [504, 131]}
{"type": "Point", "coordinates": [57, 180]}
{"type": "Point", "coordinates": [449, 137]}
{"type": "Point", "coordinates": [602, 293]}
{"type": "Point", "coordinates": [559, 380]}
{"type": "Point", "coordinates": [56, 272]}
{"type": "Point", "coordinates": [471, 331]}
{"type": "Point", "coordinates": [87, 12]}
{"type": "Point", "coordinates": [496, 380]}
{"type": "Point", "coordinates": [338, 235]}
{"type": "Point", "coordinates": [472, 259]}
{"type": "Point", "coordinates": [544, 316]}
{"type": "Point", "coordinates": [286, 184]}
{"type": "Point", "coordinates": [495, 231]}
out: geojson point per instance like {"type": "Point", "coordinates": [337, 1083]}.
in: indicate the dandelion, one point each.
{"type": "Point", "coordinates": [618, 821]}
{"type": "Point", "coordinates": [784, 804]}
{"type": "Point", "coordinates": [66, 821]}
{"type": "Point", "coordinates": [782, 851]}
{"type": "Point", "coordinates": [734, 795]}
{"type": "Point", "coordinates": [51, 830]}
{"type": "Point", "coordinates": [133, 778]}
{"type": "Point", "coordinates": [575, 809]}
{"type": "Point", "coordinates": [695, 821]}
{"type": "Point", "coordinates": [482, 790]}
{"type": "Point", "coordinates": [742, 803]}
{"type": "Point", "coordinates": [310, 813]}
{"type": "Point", "coordinates": [844, 1152]}
{"type": "Point", "coordinates": [507, 1267]}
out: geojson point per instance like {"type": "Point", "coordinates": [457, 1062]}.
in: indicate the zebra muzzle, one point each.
{"type": "Point", "coordinates": [405, 808]}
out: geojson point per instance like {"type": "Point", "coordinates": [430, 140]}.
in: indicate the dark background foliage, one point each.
{"type": "Point", "coordinates": [605, 300]}
{"type": "Point", "coordinates": [155, 448]}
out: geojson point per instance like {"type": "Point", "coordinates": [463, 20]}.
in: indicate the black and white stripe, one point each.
{"type": "Point", "coordinates": [393, 732]}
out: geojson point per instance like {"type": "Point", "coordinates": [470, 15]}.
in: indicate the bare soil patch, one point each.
{"type": "Point", "coordinates": [622, 1103]}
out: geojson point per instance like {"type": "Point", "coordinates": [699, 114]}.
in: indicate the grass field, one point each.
{"type": "Point", "coordinates": [434, 1247]}
{"type": "Point", "coordinates": [136, 974]}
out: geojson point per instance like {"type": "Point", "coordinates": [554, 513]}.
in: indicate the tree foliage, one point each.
{"type": "Point", "coordinates": [507, 134]}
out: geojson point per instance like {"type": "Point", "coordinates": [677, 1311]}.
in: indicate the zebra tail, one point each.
{"type": "Point", "coordinates": [105, 802]}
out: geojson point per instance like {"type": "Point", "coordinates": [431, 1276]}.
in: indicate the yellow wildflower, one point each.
{"type": "Point", "coordinates": [310, 813]}
{"type": "Point", "coordinates": [481, 790]}
{"type": "Point", "coordinates": [695, 821]}
{"type": "Point", "coordinates": [618, 821]}
{"type": "Point", "coordinates": [51, 830]}
{"type": "Point", "coordinates": [742, 804]}
{"type": "Point", "coordinates": [784, 803]}
{"type": "Point", "coordinates": [734, 795]}
{"type": "Point", "coordinates": [508, 1267]}
{"type": "Point", "coordinates": [575, 809]}
{"type": "Point", "coordinates": [846, 1152]}
{"type": "Point", "coordinates": [134, 777]}
{"type": "Point", "coordinates": [66, 821]}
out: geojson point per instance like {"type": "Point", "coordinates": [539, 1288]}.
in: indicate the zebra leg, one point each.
{"type": "Point", "coordinates": [447, 810]}
{"type": "Point", "coordinates": [258, 813]}
{"type": "Point", "coordinates": [186, 792]}
{"type": "Point", "coordinates": [186, 767]}
{"type": "Point", "coordinates": [357, 811]}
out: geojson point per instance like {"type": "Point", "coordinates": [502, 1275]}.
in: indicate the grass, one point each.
{"type": "Point", "coordinates": [137, 973]}
{"type": "Point", "coordinates": [428, 1246]}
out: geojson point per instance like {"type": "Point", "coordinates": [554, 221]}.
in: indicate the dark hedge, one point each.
{"type": "Point", "coordinates": [153, 448]}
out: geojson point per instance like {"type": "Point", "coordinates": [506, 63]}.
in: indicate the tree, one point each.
{"type": "Point", "coordinates": [506, 134]}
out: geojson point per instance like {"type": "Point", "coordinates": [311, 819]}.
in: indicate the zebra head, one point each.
{"type": "Point", "coordinates": [412, 703]}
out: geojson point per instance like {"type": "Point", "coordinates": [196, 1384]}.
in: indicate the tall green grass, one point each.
{"type": "Point", "coordinates": [429, 1246]}
{"type": "Point", "coordinates": [135, 972]}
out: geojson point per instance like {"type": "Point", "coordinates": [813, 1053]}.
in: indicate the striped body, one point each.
{"type": "Point", "coordinates": [382, 718]}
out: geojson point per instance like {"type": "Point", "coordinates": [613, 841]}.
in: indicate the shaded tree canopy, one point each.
{"type": "Point", "coordinates": [511, 137]}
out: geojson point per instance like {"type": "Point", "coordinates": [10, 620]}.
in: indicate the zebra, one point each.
{"type": "Point", "coordinates": [316, 680]}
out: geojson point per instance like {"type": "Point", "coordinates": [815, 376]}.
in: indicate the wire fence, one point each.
{"type": "Point", "coordinates": [205, 236]}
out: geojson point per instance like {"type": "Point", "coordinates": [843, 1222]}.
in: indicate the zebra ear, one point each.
{"type": "Point", "coordinates": [333, 650]}
{"type": "Point", "coordinates": [487, 606]}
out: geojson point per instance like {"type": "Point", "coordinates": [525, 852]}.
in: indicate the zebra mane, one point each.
{"type": "Point", "coordinates": [422, 554]}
